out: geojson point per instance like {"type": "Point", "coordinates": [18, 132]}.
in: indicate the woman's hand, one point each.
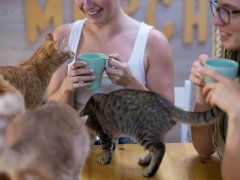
{"type": "Point", "coordinates": [119, 72]}
{"type": "Point", "coordinates": [196, 77]}
{"type": "Point", "coordinates": [78, 76]}
{"type": "Point", "coordinates": [225, 93]}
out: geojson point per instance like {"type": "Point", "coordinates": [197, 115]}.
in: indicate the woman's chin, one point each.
{"type": "Point", "coordinates": [231, 46]}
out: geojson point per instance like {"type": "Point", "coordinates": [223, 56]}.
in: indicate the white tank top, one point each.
{"type": "Point", "coordinates": [136, 62]}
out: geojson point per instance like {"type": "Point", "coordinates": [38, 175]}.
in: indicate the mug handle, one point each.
{"type": "Point", "coordinates": [107, 59]}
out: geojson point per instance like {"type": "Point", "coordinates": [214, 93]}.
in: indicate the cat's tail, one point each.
{"type": "Point", "coordinates": [197, 118]}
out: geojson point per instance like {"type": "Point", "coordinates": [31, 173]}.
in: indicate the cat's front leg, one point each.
{"type": "Point", "coordinates": [105, 158]}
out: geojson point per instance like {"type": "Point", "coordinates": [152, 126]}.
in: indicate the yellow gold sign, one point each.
{"type": "Point", "coordinates": [39, 19]}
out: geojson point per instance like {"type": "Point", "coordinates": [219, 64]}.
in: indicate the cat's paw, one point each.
{"type": "Point", "coordinates": [105, 158]}
{"type": "Point", "coordinates": [144, 160]}
{"type": "Point", "coordinates": [147, 172]}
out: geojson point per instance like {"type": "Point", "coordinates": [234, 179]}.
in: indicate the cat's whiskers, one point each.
{"type": "Point", "coordinates": [62, 44]}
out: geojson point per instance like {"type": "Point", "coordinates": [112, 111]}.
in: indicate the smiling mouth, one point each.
{"type": "Point", "coordinates": [93, 13]}
{"type": "Point", "coordinates": [223, 34]}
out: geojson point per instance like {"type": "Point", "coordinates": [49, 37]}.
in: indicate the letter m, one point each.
{"type": "Point", "coordinates": [38, 19]}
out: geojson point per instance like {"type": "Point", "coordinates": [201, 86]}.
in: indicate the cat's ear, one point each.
{"type": "Point", "coordinates": [83, 119]}
{"type": "Point", "coordinates": [50, 49]}
{"type": "Point", "coordinates": [61, 43]}
{"type": "Point", "coordinates": [48, 37]}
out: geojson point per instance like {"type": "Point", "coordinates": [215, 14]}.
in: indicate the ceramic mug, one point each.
{"type": "Point", "coordinates": [227, 67]}
{"type": "Point", "coordinates": [98, 62]}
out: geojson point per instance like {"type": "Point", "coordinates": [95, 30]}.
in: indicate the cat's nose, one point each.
{"type": "Point", "coordinates": [71, 56]}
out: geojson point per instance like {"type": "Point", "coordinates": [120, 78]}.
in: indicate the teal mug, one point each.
{"type": "Point", "coordinates": [98, 62]}
{"type": "Point", "coordinates": [227, 67]}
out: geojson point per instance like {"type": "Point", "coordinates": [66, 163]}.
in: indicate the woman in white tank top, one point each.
{"type": "Point", "coordinates": [141, 55]}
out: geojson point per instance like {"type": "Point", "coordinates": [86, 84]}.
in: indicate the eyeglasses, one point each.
{"type": "Point", "coordinates": [223, 12]}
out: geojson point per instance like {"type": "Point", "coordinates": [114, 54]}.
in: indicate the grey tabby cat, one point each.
{"type": "Point", "coordinates": [142, 115]}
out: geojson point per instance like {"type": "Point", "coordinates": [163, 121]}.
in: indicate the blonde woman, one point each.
{"type": "Point", "coordinates": [224, 135]}
{"type": "Point", "coordinates": [141, 55]}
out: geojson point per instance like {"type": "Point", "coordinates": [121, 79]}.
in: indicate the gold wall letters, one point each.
{"type": "Point", "coordinates": [192, 20]}
{"type": "Point", "coordinates": [38, 19]}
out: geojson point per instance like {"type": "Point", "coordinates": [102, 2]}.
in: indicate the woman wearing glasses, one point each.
{"type": "Point", "coordinates": [224, 135]}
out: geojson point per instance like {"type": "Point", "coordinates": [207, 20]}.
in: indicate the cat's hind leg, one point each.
{"type": "Point", "coordinates": [108, 145]}
{"type": "Point", "coordinates": [157, 151]}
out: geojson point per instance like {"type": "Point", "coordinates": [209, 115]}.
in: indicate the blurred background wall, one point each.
{"type": "Point", "coordinates": [186, 23]}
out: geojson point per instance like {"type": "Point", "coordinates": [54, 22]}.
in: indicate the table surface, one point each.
{"type": "Point", "coordinates": [180, 162]}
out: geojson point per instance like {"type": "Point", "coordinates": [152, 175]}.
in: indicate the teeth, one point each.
{"type": "Point", "coordinates": [92, 12]}
{"type": "Point", "coordinates": [223, 33]}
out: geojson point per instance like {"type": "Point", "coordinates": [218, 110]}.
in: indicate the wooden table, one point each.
{"type": "Point", "coordinates": [180, 162]}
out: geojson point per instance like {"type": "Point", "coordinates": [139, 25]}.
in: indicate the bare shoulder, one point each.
{"type": "Point", "coordinates": [159, 64]}
{"type": "Point", "coordinates": [157, 39]}
{"type": "Point", "coordinates": [62, 31]}
{"type": "Point", "coordinates": [158, 46]}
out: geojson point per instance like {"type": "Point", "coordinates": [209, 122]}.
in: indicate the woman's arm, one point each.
{"type": "Point", "coordinates": [63, 82]}
{"type": "Point", "coordinates": [57, 86]}
{"type": "Point", "coordinates": [57, 89]}
{"type": "Point", "coordinates": [231, 156]}
{"type": "Point", "coordinates": [158, 66]}
{"type": "Point", "coordinates": [160, 69]}
{"type": "Point", "coordinates": [226, 95]}
{"type": "Point", "coordinates": [201, 135]}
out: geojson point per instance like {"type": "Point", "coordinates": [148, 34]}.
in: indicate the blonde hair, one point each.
{"type": "Point", "coordinates": [219, 130]}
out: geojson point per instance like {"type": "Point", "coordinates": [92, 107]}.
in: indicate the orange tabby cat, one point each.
{"type": "Point", "coordinates": [32, 77]}
{"type": "Point", "coordinates": [49, 142]}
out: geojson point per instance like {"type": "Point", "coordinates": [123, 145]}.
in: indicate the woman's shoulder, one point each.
{"type": "Point", "coordinates": [65, 29]}
{"type": "Point", "coordinates": [157, 34]}
{"type": "Point", "coordinates": [157, 39]}
{"type": "Point", "coordinates": [154, 34]}
{"type": "Point", "coordinates": [158, 45]}
{"type": "Point", "coordinates": [62, 31]}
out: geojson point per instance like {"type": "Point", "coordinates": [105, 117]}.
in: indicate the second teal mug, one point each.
{"type": "Point", "coordinates": [227, 67]}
